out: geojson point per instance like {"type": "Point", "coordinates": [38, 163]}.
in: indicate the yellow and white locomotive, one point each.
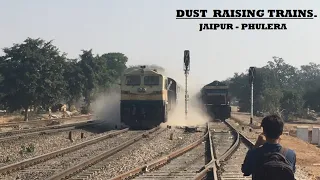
{"type": "Point", "coordinates": [146, 97]}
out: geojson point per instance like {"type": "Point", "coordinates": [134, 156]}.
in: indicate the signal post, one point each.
{"type": "Point", "coordinates": [186, 69]}
{"type": "Point", "coordinates": [252, 73]}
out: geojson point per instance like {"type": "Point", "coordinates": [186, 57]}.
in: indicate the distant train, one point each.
{"type": "Point", "coordinates": [216, 100]}
{"type": "Point", "coordinates": [146, 97]}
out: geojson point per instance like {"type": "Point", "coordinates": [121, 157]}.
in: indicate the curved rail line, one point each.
{"type": "Point", "coordinates": [191, 149]}
{"type": "Point", "coordinates": [228, 168]}
{"type": "Point", "coordinates": [210, 169]}
{"type": "Point", "coordinates": [32, 161]}
{"type": "Point", "coordinates": [16, 134]}
{"type": "Point", "coordinates": [80, 167]}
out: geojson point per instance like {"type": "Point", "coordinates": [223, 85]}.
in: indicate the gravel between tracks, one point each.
{"type": "Point", "coordinates": [10, 150]}
{"type": "Point", "coordinates": [185, 166]}
{"type": "Point", "coordinates": [48, 168]}
{"type": "Point", "coordinates": [144, 151]}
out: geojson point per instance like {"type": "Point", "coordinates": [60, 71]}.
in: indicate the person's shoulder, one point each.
{"type": "Point", "coordinates": [290, 151]}
{"type": "Point", "coordinates": [291, 154]}
{"type": "Point", "coordinates": [254, 151]}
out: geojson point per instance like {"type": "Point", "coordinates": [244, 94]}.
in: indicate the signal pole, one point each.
{"type": "Point", "coordinates": [251, 80]}
{"type": "Point", "coordinates": [186, 73]}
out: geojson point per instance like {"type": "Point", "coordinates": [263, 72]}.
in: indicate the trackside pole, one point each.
{"type": "Point", "coordinates": [251, 115]}
{"type": "Point", "coordinates": [186, 73]}
{"type": "Point", "coordinates": [251, 80]}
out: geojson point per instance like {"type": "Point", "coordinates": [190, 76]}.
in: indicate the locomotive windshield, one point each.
{"type": "Point", "coordinates": [151, 80]}
{"type": "Point", "coordinates": [133, 80]}
{"type": "Point", "coordinates": [216, 91]}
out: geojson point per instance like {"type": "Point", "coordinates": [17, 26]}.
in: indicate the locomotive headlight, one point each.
{"type": "Point", "coordinates": [142, 89]}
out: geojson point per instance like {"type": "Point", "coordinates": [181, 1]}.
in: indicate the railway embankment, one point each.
{"type": "Point", "coordinates": [308, 155]}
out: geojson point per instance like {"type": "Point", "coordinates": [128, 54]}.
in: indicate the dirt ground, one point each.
{"type": "Point", "coordinates": [308, 155]}
{"type": "Point", "coordinates": [18, 118]}
{"type": "Point", "coordinates": [10, 118]}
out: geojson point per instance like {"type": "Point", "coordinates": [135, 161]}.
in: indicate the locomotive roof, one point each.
{"type": "Point", "coordinates": [216, 83]}
{"type": "Point", "coordinates": [138, 71]}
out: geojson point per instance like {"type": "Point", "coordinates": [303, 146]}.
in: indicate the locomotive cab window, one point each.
{"type": "Point", "coordinates": [133, 80]}
{"type": "Point", "coordinates": [151, 80]}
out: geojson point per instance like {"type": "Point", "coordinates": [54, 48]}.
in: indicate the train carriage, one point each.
{"type": "Point", "coordinates": [215, 98]}
{"type": "Point", "coordinates": [146, 98]}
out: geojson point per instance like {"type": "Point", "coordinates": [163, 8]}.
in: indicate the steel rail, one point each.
{"type": "Point", "coordinates": [211, 166]}
{"type": "Point", "coordinates": [232, 148]}
{"type": "Point", "coordinates": [161, 161]}
{"type": "Point", "coordinates": [228, 171]}
{"type": "Point", "coordinates": [247, 141]}
{"type": "Point", "coordinates": [79, 167]}
{"type": "Point", "coordinates": [22, 135]}
{"type": "Point", "coordinates": [32, 131]}
{"type": "Point", "coordinates": [29, 162]}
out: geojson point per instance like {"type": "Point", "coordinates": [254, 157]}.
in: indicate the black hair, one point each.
{"type": "Point", "coordinates": [272, 126]}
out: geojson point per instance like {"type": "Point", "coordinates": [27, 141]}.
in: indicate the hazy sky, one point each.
{"type": "Point", "coordinates": [148, 33]}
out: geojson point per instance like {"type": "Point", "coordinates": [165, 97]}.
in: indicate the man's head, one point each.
{"type": "Point", "coordinates": [272, 126]}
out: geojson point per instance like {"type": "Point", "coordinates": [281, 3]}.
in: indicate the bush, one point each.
{"type": "Point", "coordinates": [84, 110]}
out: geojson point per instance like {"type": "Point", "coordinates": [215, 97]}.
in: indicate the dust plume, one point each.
{"type": "Point", "coordinates": [196, 115]}
{"type": "Point", "coordinates": [106, 107]}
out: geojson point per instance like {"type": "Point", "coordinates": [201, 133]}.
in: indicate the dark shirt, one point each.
{"type": "Point", "coordinates": [250, 162]}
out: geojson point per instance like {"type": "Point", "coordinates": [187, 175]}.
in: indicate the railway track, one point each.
{"type": "Point", "coordinates": [229, 163]}
{"type": "Point", "coordinates": [191, 162]}
{"type": "Point", "coordinates": [16, 134]}
{"type": "Point", "coordinates": [27, 167]}
{"type": "Point", "coordinates": [185, 166]}
{"type": "Point", "coordinates": [185, 163]}
{"type": "Point", "coordinates": [87, 168]}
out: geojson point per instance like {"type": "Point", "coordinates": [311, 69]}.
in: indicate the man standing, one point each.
{"type": "Point", "coordinates": [268, 159]}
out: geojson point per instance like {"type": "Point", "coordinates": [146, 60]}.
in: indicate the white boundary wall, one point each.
{"type": "Point", "coordinates": [315, 135]}
{"type": "Point", "coordinates": [319, 138]}
{"type": "Point", "coordinates": [303, 133]}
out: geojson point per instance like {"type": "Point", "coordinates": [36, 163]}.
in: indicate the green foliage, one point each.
{"type": "Point", "coordinates": [279, 88]}
{"type": "Point", "coordinates": [74, 81]}
{"type": "Point", "coordinates": [27, 149]}
{"type": "Point", "coordinates": [35, 73]}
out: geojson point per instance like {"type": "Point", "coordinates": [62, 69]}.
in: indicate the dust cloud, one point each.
{"type": "Point", "coordinates": [106, 107]}
{"type": "Point", "coordinates": [196, 114]}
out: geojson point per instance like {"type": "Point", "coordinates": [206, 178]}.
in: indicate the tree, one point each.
{"type": "Point", "coordinates": [292, 101]}
{"type": "Point", "coordinates": [239, 88]}
{"type": "Point", "coordinates": [115, 62]}
{"type": "Point", "coordinates": [1, 92]}
{"type": "Point", "coordinates": [277, 86]}
{"type": "Point", "coordinates": [312, 99]}
{"type": "Point", "coordinates": [106, 76]}
{"type": "Point", "coordinates": [88, 66]}
{"type": "Point", "coordinates": [33, 74]}
{"type": "Point", "coordinates": [74, 81]}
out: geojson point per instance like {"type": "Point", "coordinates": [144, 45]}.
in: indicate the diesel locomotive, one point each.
{"type": "Point", "coordinates": [216, 100]}
{"type": "Point", "coordinates": [146, 98]}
